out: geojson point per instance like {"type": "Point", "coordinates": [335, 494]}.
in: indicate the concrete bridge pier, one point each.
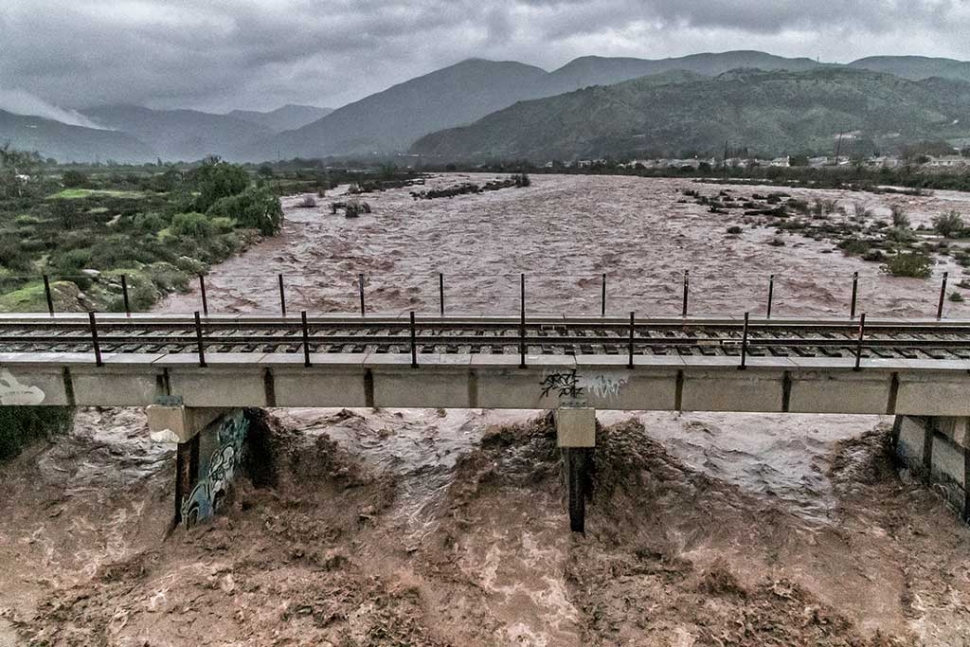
{"type": "Point", "coordinates": [210, 445]}
{"type": "Point", "coordinates": [937, 449]}
{"type": "Point", "coordinates": [576, 437]}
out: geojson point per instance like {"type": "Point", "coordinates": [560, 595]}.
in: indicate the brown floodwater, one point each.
{"type": "Point", "coordinates": [418, 526]}
{"type": "Point", "coordinates": [564, 233]}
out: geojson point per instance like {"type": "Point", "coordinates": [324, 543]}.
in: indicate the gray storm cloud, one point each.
{"type": "Point", "coordinates": [223, 54]}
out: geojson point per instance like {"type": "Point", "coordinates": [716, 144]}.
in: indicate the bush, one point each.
{"type": "Point", "coordinates": [900, 219]}
{"type": "Point", "coordinates": [734, 230]}
{"type": "Point", "coordinates": [521, 180]}
{"type": "Point", "coordinates": [191, 225]}
{"type": "Point", "coordinates": [255, 208]}
{"type": "Point", "coordinates": [70, 262]}
{"type": "Point", "coordinates": [149, 222]}
{"type": "Point", "coordinates": [913, 265]}
{"type": "Point", "coordinates": [74, 179]}
{"type": "Point", "coordinates": [216, 180]}
{"type": "Point", "coordinates": [308, 202]}
{"type": "Point", "coordinates": [19, 426]}
{"type": "Point", "coordinates": [948, 224]}
{"type": "Point", "coordinates": [12, 254]}
{"type": "Point", "coordinates": [956, 297]}
{"type": "Point", "coordinates": [854, 247]}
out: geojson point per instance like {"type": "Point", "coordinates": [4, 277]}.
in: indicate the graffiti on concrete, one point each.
{"type": "Point", "coordinates": [605, 386]}
{"type": "Point", "coordinates": [210, 493]}
{"type": "Point", "coordinates": [576, 387]}
{"type": "Point", "coordinates": [12, 392]}
{"type": "Point", "coordinates": [564, 385]}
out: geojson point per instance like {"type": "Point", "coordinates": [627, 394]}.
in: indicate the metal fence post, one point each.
{"type": "Point", "coordinates": [360, 283]}
{"type": "Point", "coordinates": [686, 291]}
{"type": "Point", "coordinates": [282, 297]}
{"type": "Point", "coordinates": [858, 349]}
{"type": "Point", "coordinates": [441, 293]}
{"type": "Point", "coordinates": [855, 294]}
{"type": "Point", "coordinates": [632, 331]}
{"type": "Point", "coordinates": [205, 301]}
{"type": "Point", "coordinates": [124, 294]}
{"type": "Point", "coordinates": [603, 298]}
{"type": "Point", "coordinates": [414, 344]}
{"type": "Point", "coordinates": [50, 297]}
{"type": "Point", "coordinates": [94, 339]}
{"type": "Point", "coordinates": [771, 293]}
{"type": "Point", "coordinates": [198, 339]}
{"type": "Point", "coordinates": [744, 344]}
{"type": "Point", "coordinates": [306, 340]}
{"type": "Point", "coordinates": [522, 347]}
{"type": "Point", "coordinates": [939, 308]}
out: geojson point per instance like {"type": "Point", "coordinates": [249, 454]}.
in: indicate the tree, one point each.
{"type": "Point", "coordinates": [72, 179]}
{"type": "Point", "coordinates": [215, 180]}
{"type": "Point", "coordinates": [900, 219]}
{"type": "Point", "coordinates": [949, 223]}
{"type": "Point", "coordinates": [255, 208]}
{"type": "Point", "coordinates": [17, 171]}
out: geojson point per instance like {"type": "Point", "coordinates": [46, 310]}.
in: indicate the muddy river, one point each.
{"type": "Point", "coordinates": [424, 527]}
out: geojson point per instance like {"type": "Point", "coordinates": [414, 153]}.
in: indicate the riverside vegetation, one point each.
{"type": "Point", "coordinates": [855, 230]}
{"type": "Point", "coordinates": [156, 225]}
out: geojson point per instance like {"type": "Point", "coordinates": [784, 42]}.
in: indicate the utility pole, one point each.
{"type": "Point", "coordinates": [838, 148]}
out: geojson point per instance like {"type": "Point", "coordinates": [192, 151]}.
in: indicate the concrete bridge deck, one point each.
{"type": "Point", "coordinates": [190, 371]}
{"type": "Point", "coordinates": [887, 366]}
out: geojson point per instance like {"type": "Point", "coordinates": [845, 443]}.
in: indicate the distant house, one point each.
{"type": "Point", "coordinates": [882, 161]}
{"type": "Point", "coordinates": [947, 161]}
{"type": "Point", "coordinates": [781, 162]}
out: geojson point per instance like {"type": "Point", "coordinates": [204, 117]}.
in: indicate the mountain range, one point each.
{"type": "Point", "coordinates": [484, 99]}
{"type": "Point", "coordinates": [685, 114]}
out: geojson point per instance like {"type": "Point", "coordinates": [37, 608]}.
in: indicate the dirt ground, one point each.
{"type": "Point", "coordinates": [423, 527]}
{"type": "Point", "coordinates": [352, 547]}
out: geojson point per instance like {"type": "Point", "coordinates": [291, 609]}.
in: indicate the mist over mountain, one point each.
{"type": "Point", "coordinates": [772, 113]}
{"type": "Point", "coordinates": [175, 135]}
{"type": "Point", "coordinates": [69, 143]}
{"type": "Point", "coordinates": [391, 120]}
{"type": "Point", "coordinates": [459, 95]}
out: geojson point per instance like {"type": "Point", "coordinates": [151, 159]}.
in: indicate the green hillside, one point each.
{"type": "Point", "coordinates": [772, 113]}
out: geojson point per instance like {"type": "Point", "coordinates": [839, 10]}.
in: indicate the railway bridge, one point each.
{"type": "Point", "coordinates": [195, 372]}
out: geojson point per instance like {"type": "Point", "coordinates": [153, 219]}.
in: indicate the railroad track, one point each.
{"type": "Point", "coordinates": [713, 337]}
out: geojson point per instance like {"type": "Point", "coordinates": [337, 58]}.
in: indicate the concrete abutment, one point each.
{"type": "Point", "coordinates": [937, 450]}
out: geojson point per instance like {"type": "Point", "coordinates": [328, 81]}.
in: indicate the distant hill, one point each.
{"type": "Point", "coordinates": [288, 117]}
{"type": "Point", "coordinates": [67, 143]}
{"type": "Point", "coordinates": [772, 113]}
{"type": "Point", "coordinates": [915, 67]}
{"type": "Point", "coordinates": [597, 70]}
{"type": "Point", "coordinates": [175, 135]}
{"type": "Point", "coordinates": [391, 120]}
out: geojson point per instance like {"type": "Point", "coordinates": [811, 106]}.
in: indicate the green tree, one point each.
{"type": "Point", "coordinates": [255, 208]}
{"type": "Point", "coordinates": [73, 179]}
{"type": "Point", "coordinates": [18, 170]}
{"type": "Point", "coordinates": [192, 225]}
{"type": "Point", "coordinates": [948, 224]}
{"type": "Point", "coordinates": [215, 180]}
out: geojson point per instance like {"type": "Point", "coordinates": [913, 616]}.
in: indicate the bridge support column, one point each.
{"type": "Point", "coordinates": [937, 449]}
{"type": "Point", "coordinates": [576, 437]}
{"type": "Point", "coordinates": [210, 443]}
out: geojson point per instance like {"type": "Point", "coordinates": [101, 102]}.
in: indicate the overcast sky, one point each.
{"type": "Point", "coordinates": [221, 54]}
